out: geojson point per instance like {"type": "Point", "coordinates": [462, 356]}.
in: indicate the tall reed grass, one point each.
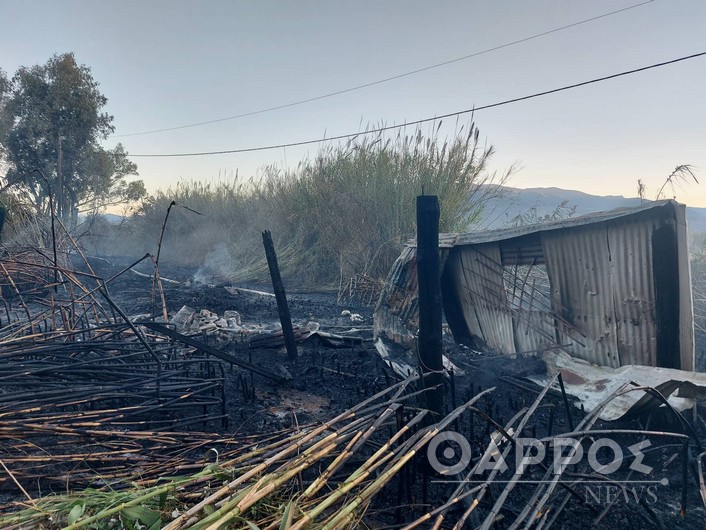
{"type": "Point", "coordinates": [344, 214]}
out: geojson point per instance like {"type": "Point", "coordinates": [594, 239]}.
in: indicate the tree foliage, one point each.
{"type": "Point", "coordinates": [52, 119]}
{"type": "Point", "coordinates": [5, 118]}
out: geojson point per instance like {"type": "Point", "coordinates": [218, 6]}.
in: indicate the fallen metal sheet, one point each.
{"type": "Point", "coordinates": [275, 339]}
{"type": "Point", "coordinates": [592, 384]}
{"type": "Point", "coordinates": [332, 340]}
{"type": "Point", "coordinates": [403, 361]}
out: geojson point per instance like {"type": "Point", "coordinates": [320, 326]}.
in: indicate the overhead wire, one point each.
{"type": "Point", "coordinates": [426, 120]}
{"type": "Point", "coordinates": [387, 79]}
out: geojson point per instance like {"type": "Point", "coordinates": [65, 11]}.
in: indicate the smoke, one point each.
{"type": "Point", "coordinates": [217, 266]}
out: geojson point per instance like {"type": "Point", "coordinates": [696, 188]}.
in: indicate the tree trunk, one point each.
{"type": "Point", "coordinates": [59, 191]}
{"type": "Point", "coordinates": [72, 205]}
{"type": "Point", "coordinates": [73, 210]}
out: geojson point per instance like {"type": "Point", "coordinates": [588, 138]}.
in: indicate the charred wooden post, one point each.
{"type": "Point", "coordinates": [429, 281]}
{"type": "Point", "coordinates": [286, 321]}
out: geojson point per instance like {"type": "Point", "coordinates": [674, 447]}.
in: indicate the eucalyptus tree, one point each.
{"type": "Point", "coordinates": [52, 120]}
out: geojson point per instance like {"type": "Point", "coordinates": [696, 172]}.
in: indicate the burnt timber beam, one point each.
{"type": "Point", "coordinates": [285, 319]}
{"type": "Point", "coordinates": [429, 282]}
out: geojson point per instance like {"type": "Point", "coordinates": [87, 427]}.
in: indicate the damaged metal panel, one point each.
{"type": "Point", "coordinates": [534, 331]}
{"type": "Point", "coordinates": [458, 309]}
{"type": "Point", "coordinates": [397, 312]}
{"type": "Point", "coordinates": [592, 385]}
{"type": "Point", "coordinates": [484, 302]}
{"type": "Point", "coordinates": [579, 269]}
{"type": "Point", "coordinates": [612, 288]}
{"type": "Point", "coordinates": [632, 283]}
{"type": "Point", "coordinates": [686, 305]}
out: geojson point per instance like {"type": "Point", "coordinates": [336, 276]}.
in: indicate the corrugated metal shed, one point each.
{"type": "Point", "coordinates": [612, 288]}
{"type": "Point", "coordinates": [483, 296]}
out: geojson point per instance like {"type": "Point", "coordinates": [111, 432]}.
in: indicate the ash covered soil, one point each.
{"type": "Point", "coordinates": [326, 381]}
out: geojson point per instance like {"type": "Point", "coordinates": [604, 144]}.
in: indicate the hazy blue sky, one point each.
{"type": "Point", "coordinates": [170, 63]}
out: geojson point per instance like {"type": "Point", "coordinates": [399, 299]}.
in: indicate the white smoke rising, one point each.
{"type": "Point", "coordinates": [217, 266]}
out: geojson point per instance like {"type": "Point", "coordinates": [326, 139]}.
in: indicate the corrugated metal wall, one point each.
{"type": "Point", "coordinates": [604, 305]}
{"type": "Point", "coordinates": [686, 305]}
{"type": "Point", "coordinates": [632, 283]}
{"type": "Point", "coordinates": [579, 269]}
{"type": "Point", "coordinates": [602, 293]}
{"type": "Point", "coordinates": [483, 299]}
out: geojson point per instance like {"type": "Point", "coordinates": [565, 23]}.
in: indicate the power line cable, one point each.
{"type": "Point", "coordinates": [425, 120]}
{"type": "Point", "coordinates": [387, 79]}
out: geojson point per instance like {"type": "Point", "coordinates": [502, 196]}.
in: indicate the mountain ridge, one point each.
{"type": "Point", "coordinates": [512, 204]}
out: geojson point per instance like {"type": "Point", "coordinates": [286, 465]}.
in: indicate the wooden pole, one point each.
{"type": "Point", "coordinates": [429, 281]}
{"type": "Point", "coordinates": [286, 321]}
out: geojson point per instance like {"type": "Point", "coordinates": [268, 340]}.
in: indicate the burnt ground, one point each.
{"type": "Point", "coordinates": [326, 381]}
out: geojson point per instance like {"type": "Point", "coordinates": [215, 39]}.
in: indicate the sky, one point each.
{"type": "Point", "coordinates": [165, 64]}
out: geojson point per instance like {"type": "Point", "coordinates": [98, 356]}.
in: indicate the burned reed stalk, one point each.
{"type": "Point", "coordinates": [138, 334]}
{"type": "Point", "coordinates": [352, 460]}
{"type": "Point", "coordinates": [702, 481]}
{"type": "Point", "coordinates": [158, 281]}
{"type": "Point", "coordinates": [155, 279]}
{"type": "Point", "coordinates": [281, 297]}
{"type": "Point", "coordinates": [155, 262]}
{"type": "Point", "coordinates": [210, 350]}
{"type": "Point", "coordinates": [53, 229]}
{"type": "Point", "coordinates": [429, 281]}
{"type": "Point", "coordinates": [566, 403]}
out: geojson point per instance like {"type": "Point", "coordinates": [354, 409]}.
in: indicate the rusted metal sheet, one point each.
{"type": "Point", "coordinates": [592, 385]}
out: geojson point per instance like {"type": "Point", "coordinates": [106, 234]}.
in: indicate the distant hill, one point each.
{"type": "Point", "coordinates": [500, 211]}
{"type": "Point", "coordinates": [109, 217]}
{"type": "Point", "coordinates": [114, 218]}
